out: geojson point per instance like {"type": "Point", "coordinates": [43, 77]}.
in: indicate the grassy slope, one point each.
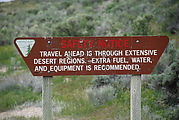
{"type": "Point", "coordinates": [26, 18]}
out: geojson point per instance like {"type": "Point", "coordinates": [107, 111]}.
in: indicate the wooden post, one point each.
{"type": "Point", "coordinates": [135, 100]}
{"type": "Point", "coordinates": [47, 98]}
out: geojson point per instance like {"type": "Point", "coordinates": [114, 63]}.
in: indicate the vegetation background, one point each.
{"type": "Point", "coordinates": [89, 97]}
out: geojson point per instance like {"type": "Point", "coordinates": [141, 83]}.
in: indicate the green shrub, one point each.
{"type": "Point", "coordinates": [78, 25]}
{"type": "Point", "coordinates": [5, 35]}
{"type": "Point", "coordinates": [167, 58]}
{"type": "Point", "coordinates": [65, 4]}
{"type": "Point", "coordinates": [103, 80]}
{"type": "Point", "coordinates": [90, 2]}
{"type": "Point", "coordinates": [33, 11]}
{"type": "Point", "coordinates": [141, 25]}
{"type": "Point", "coordinates": [118, 82]}
{"type": "Point", "coordinates": [112, 7]}
{"type": "Point", "coordinates": [168, 78]}
{"type": "Point", "coordinates": [7, 52]}
{"type": "Point", "coordinates": [101, 95]}
{"type": "Point", "coordinates": [172, 113]}
{"type": "Point", "coordinates": [166, 13]}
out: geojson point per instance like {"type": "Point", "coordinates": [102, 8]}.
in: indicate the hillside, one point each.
{"type": "Point", "coordinates": [88, 18]}
{"type": "Point", "coordinates": [89, 97]}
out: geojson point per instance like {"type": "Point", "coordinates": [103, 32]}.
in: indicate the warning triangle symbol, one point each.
{"type": "Point", "coordinates": [25, 46]}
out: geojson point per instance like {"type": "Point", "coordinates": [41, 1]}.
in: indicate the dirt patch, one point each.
{"type": "Point", "coordinates": [28, 112]}
{"type": "Point", "coordinates": [3, 69]}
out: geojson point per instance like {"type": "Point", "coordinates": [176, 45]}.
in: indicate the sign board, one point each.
{"type": "Point", "coordinates": [54, 56]}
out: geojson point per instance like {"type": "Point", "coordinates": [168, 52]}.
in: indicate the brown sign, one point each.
{"type": "Point", "coordinates": [54, 56]}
